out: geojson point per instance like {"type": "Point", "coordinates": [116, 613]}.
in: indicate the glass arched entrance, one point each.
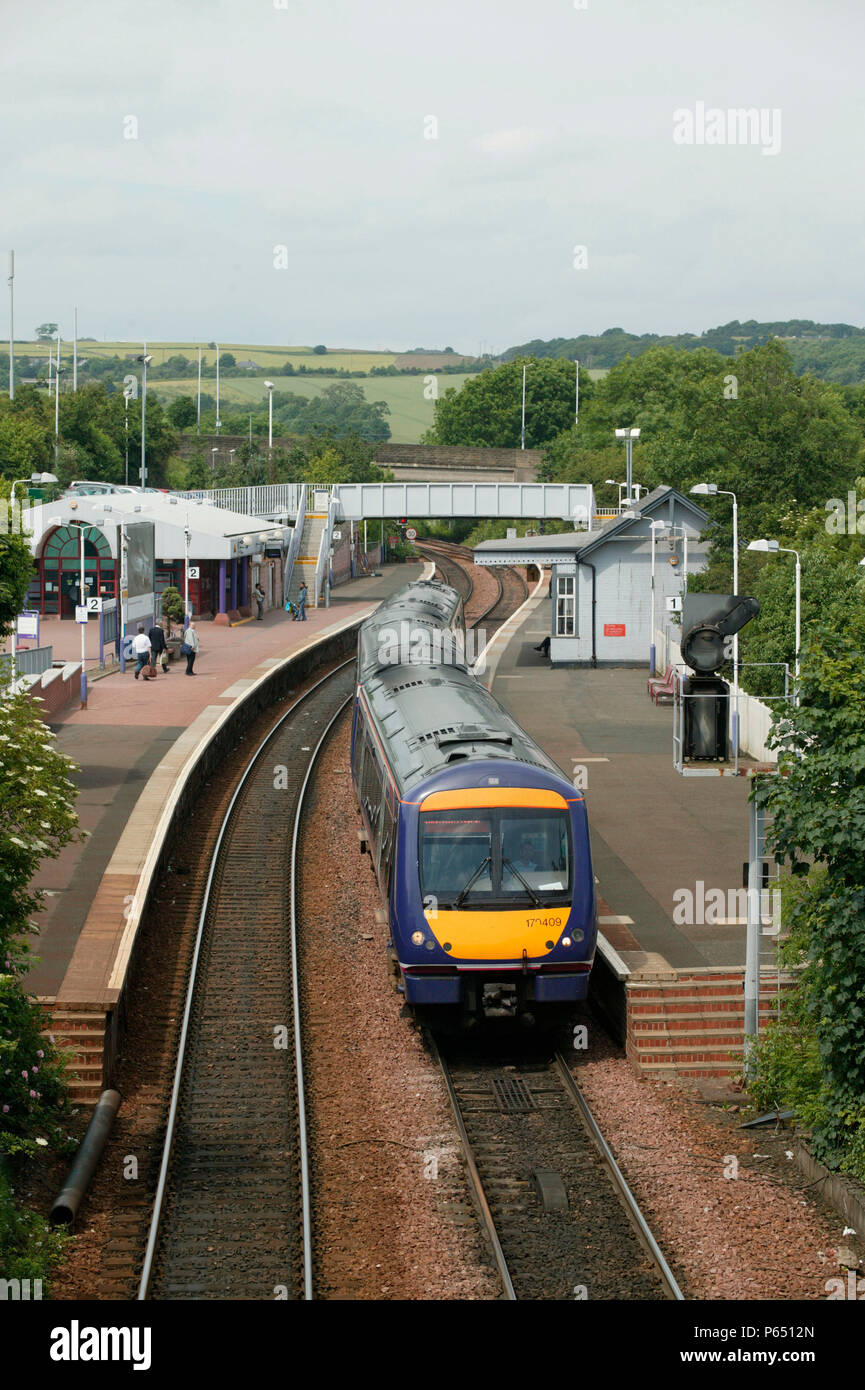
{"type": "Point", "coordinates": [60, 569]}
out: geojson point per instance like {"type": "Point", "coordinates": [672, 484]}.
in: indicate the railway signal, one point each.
{"type": "Point", "coordinates": [709, 622]}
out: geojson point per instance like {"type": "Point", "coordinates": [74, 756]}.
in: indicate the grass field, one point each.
{"type": "Point", "coordinates": [410, 412]}
{"type": "Point", "coordinates": [264, 355]}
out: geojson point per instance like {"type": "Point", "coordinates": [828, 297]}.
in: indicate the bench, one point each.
{"type": "Point", "coordinates": [657, 687]}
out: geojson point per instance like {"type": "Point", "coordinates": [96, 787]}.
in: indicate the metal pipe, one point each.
{"type": "Point", "coordinates": [66, 1204]}
{"type": "Point", "coordinates": [591, 567]}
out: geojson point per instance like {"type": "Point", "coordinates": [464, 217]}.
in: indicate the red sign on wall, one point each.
{"type": "Point", "coordinates": [614, 629]}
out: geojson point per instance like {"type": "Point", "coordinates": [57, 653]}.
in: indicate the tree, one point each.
{"type": "Point", "coordinates": [46, 331]}
{"type": "Point", "coordinates": [320, 349]}
{"type": "Point", "coordinates": [817, 805]}
{"type": "Point", "coordinates": [487, 411]}
{"type": "Point", "coordinates": [182, 412]}
{"type": "Point", "coordinates": [227, 359]}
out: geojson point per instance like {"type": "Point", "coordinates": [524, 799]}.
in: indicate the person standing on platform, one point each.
{"type": "Point", "coordinates": [259, 598]}
{"type": "Point", "coordinates": [141, 650]}
{"type": "Point", "coordinates": [156, 637]}
{"type": "Point", "coordinates": [301, 604]}
{"type": "Point", "coordinates": [190, 648]}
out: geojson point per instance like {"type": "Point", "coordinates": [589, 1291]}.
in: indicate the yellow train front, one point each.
{"type": "Point", "coordinates": [479, 843]}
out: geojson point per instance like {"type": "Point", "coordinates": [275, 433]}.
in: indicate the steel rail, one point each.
{"type": "Point", "coordinates": [477, 1184]}
{"type": "Point", "coordinates": [638, 1221]}
{"type": "Point", "coordinates": [306, 1197]}
{"type": "Point", "coordinates": [168, 1144]}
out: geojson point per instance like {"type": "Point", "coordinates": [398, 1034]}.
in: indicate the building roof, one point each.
{"type": "Point", "coordinates": [215, 532]}
{"type": "Point", "coordinates": [549, 549]}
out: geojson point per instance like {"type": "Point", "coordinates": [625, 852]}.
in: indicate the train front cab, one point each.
{"type": "Point", "coordinates": [493, 908]}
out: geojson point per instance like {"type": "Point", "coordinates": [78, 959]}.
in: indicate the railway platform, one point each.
{"type": "Point", "coordinates": [674, 969]}
{"type": "Point", "coordinates": [132, 746]}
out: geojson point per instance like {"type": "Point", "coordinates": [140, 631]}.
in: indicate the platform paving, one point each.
{"type": "Point", "coordinates": [128, 729]}
{"type": "Point", "coordinates": [653, 832]}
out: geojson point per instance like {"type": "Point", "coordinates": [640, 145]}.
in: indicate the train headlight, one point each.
{"type": "Point", "coordinates": [417, 938]}
{"type": "Point", "coordinates": [566, 941]}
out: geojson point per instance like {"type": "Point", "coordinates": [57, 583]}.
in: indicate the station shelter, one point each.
{"type": "Point", "coordinates": [601, 583]}
{"type": "Point", "coordinates": [228, 553]}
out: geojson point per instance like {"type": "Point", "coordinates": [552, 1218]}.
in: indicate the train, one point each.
{"type": "Point", "coordinates": [479, 843]}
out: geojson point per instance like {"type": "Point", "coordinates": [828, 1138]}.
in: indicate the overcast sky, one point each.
{"type": "Point", "coordinates": [304, 127]}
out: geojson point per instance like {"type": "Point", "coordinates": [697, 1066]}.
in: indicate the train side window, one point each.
{"type": "Point", "coordinates": [371, 788]}
{"type": "Point", "coordinates": [387, 838]}
{"type": "Point", "coordinates": [359, 741]}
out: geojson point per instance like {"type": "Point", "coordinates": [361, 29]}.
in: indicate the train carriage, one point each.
{"type": "Point", "coordinates": [479, 843]}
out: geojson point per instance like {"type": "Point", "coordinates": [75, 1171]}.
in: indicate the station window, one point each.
{"type": "Point", "coordinates": [566, 605]}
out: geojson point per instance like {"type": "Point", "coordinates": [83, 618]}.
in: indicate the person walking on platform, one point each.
{"type": "Point", "coordinates": [190, 648]}
{"type": "Point", "coordinates": [156, 637]}
{"type": "Point", "coordinates": [259, 598]}
{"type": "Point", "coordinates": [300, 616]}
{"type": "Point", "coordinates": [141, 650]}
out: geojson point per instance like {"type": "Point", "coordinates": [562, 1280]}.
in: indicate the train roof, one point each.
{"type": "Point", "coordinates": [421, 623]}
{"type": "Point", "coordinates": [431, 718]}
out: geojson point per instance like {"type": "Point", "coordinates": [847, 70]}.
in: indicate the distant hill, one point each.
{"type": "Point", "coordinates": [833, 351]}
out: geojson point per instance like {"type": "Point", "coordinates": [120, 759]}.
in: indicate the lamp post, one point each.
{"type": "Point", "coordinates": [57, 370]}
{"type": "Point", "coordinates": [577, 396]}
{"type": "Point", "coordinates": [269, 388]}
{"type": "Point", "coordinates": [126, 395]}
{"type": "Point", "coordinates": [82, 599]}
{"type": "Point", "coordinates": [712, 490]}
{"type": "Point", "coordinates": [213, 460]}
{"type": "Point", "coordinates": [198, 412]}
{"type": "Point", "coordinates": [773, 548]}
{"type": "Point", "coordinates": [523, 425]}
{"type": "Point", "coordinates": [628, 435]}
{"type": "Point", "coordinates": [144, 358]}
{"type": "Point", "coordinates": [218, 421]}
{"type": "Point", "coordinates": [186, 534]}
{"type": "Point", "coordinates": [11, 279]}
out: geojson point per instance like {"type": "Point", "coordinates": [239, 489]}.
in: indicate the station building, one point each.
{"type": "Point", "coordinates": [602, 579]}
{"type": "Point", "coordinates": [230, 551]}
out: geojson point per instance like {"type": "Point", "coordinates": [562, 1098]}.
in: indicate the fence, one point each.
{"type": "Point", "coordinates": [264, 500]}
{"type": "Point", "coordinates": [755, 718]}
{"type": "Point", "coordinates": [30, 661]}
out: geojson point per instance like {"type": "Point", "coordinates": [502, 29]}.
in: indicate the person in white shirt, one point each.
{"type": "Point", "coordinates": [141, 650]}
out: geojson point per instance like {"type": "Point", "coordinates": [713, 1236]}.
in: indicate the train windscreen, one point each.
{"type": "Point", "coordinates": [495, 858]}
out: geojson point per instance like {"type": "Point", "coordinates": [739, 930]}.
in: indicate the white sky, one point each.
{"type": "Point", "coordinates": [304, 126]}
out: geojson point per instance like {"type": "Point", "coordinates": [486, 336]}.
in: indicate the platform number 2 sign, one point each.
{"type": "Point", "coordinates": [192, 571]}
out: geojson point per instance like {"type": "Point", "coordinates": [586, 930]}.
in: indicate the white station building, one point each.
{"type": "Point", "coordinates": [602, 579]}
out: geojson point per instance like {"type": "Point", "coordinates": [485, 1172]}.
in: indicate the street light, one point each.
{"type": "Point", "coordinates": [144, 358]}
{"type": "Point", "coordinates": [218, 421]}
{"type": "Point", "coordinates": [186, 536]}
{"type": "Point", "coordinates": [126, 396]}
{"type": "Point", "coordinates": [773, 548]}
{"type": "Point", "coordinates": [629, 435]}
{"type": "Point", "coordinates": [269, 388]}
{"type": "Point", "coordinates": [213, 460]}
{"type": "Point", "coordinates": [712, 490]}
{"type": "Point", "coordinates": [35, 480]}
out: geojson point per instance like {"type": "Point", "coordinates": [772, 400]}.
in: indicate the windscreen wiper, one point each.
{"type": "Point", "coordinates": [528, 887]}
{"type": "Point", "coordinates": [477, 873]}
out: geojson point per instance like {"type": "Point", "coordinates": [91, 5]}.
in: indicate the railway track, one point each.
{"type": "Point", "coordinates": [231, 1214]}
{"type": "Point", "coordinates": [559, 1218]}
{"type": "Point", "coordinates": [454, 561]}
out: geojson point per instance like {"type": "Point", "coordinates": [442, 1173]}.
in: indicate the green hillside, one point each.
{"type": "Point", "coordinates": [410, 412]}
{"type": "Point", "coordinates": [832, 351]}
